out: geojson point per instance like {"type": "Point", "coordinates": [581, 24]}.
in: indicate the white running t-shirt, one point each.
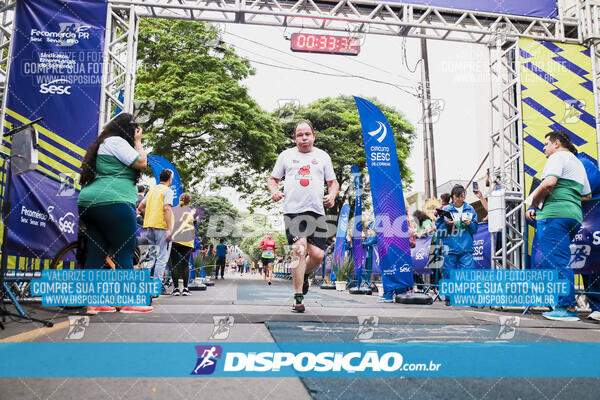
{"type": "Point", "coordinates": [305, 174]}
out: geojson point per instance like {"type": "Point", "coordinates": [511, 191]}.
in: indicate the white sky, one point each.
{"type": "Point", "coordinates": [458, 74]}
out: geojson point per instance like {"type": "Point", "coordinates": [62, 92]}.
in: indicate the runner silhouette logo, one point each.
{"type": "Point", "coordinates": [207, 359]}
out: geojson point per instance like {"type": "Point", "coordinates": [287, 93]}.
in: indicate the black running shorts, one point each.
{"type": "Point", "coordinates": [307, 224]}
{"type": "Point", "coordinates": [267, 261]}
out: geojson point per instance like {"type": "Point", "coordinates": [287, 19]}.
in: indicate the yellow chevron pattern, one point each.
{"type": "Point", "coordinates": [557, 94]}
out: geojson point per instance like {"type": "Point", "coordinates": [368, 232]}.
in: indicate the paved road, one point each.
{"type": "Point", "coordinates": [261, 313]}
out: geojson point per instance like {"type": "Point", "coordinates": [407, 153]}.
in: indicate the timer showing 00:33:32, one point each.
{"type": "Point", "coordinates": [313, 43]}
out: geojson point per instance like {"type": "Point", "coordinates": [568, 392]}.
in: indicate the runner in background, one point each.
{"type": "Point", "coordinates": [268, 246]}
{"type": "Point", "coordinates": [240, 265]}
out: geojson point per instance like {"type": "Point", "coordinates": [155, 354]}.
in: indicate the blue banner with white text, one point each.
{"type": "Point", "coordinates": [55, 73]}
{"type": "Point", "coordinates": [158, 163]}
{"type": "Point", "coordinates": [391, 224]}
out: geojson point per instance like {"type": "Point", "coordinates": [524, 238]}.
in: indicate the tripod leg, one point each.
{"type": "Point", "coordinates": [14, 300]}
{"type": "Point", "coordinates": [22, 314]}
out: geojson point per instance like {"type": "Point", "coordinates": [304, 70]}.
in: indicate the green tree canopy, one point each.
{"type": "Point", "coordinates": [203, 117]}
{"type": "Point", "coordinates": [222, 213]}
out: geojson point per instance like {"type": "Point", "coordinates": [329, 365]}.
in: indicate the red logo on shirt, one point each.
{"type": "Point", "coordinates": [304, 175]}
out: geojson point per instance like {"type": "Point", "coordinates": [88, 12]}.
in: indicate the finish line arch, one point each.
{"type": "Point", "coordinates": [501, 32]}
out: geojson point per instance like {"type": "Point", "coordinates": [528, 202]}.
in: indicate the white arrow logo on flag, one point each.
{"type": "Point", "coordinates": [378, 130]}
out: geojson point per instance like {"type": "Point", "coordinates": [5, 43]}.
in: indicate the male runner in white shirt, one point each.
{"type": "Point", "coordinates": [304, 167]}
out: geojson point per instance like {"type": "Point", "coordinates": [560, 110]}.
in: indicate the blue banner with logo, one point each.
{"type": "Point", "coordinates": [585, 248]}
{"type": "Point", "coordinates": [357, 250]}
{"type": "Point", "coordinates": [39, 225]}
{"type": "Point", "coordinates": [425, 259]}
{"type": "Point", "coordinates": [55, 73]}
{"type": "Point", "coordinates": [482, 247]}
{"type": "Point", "coordinates": [391, 224]}
{"type": "Point", "coordinates": [158, 163]}
{"type": "Point", "coordinates": [420, 255]}
{"type": "Point", "coordinates": [529, 8]}
{"type": "Point", "coordinates": [340, 238]}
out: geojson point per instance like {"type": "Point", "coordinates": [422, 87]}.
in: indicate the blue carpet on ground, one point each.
{"type": "Point", "coordinates": [428, 388]}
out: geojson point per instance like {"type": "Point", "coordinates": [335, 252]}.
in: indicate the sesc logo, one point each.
{"type": "Point", "coordinates": [404, 268]}
{"type": "Point", "coordinates": [56, 87]}
{"type": "Point", "coordinates": [207, 359]}
{"type": "Point", "coordinates": [66, 223]}
{"type": "Point", "coordinates": [420, 254]}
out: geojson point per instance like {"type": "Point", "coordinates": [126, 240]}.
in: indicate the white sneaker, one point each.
{"type": "Point", "coordinates": [595, 315]}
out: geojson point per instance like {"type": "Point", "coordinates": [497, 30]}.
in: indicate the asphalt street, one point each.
{"type": "Point", "coordinates": [256, 312]}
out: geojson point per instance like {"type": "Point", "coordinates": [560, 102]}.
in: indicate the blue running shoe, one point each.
{"type": "Point", "coordinates": [561, 314]}
{"type": "Point", "coordinates": [386, 297]}
{"type": "Point", "coordinates": [383, 299]}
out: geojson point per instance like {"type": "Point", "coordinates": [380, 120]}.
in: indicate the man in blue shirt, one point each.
{"type": "Point", "coordinates": [221, 253]}
{"type": "Point", "coordinates": [456, 233]}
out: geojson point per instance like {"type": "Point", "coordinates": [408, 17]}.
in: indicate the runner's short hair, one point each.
{"type": "Point", "coordinates": [165, 175]}
{"type": "Point", "coordinates": [303, 121]}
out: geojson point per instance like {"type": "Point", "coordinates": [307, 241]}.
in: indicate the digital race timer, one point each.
{"type": "Point", "coordinates": [312, 43]}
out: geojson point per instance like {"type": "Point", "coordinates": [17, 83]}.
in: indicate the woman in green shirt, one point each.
{"type": "Point", "coordinates": [109, 173]}
{"type": "Point", "coordinates": [425, 225]}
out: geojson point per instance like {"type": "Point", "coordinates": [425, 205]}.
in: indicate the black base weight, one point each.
{"type": "Point", "coordinates": [365, 291]}
{"type": "Point", "coordinates": [197, 286]}
{"type": "Point", "coordinates": [414, 298]}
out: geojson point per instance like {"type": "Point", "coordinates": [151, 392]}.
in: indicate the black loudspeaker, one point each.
{"type": "Point", "coordinates": [24, 151]}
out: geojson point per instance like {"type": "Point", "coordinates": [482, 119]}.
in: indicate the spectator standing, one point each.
{"type": "Point", "coordinates": [221, 253]}
{"type": "Point", "coordinates": [183, 244]}
{"type": "Point", "coordinates": [109, 171]}
{"type": "Point", "coordinates": [142, 190]}
{"type": "Point", "coordinates": [591, 281]}
{"type": "Point", "coordinates": [456, 233]}
{"type": "Point", "coordinates": [158, 220]}
{"type": "Point", "coordinates": [425, 225]}
{"type": "Point", "coordinates": [564, 185]}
